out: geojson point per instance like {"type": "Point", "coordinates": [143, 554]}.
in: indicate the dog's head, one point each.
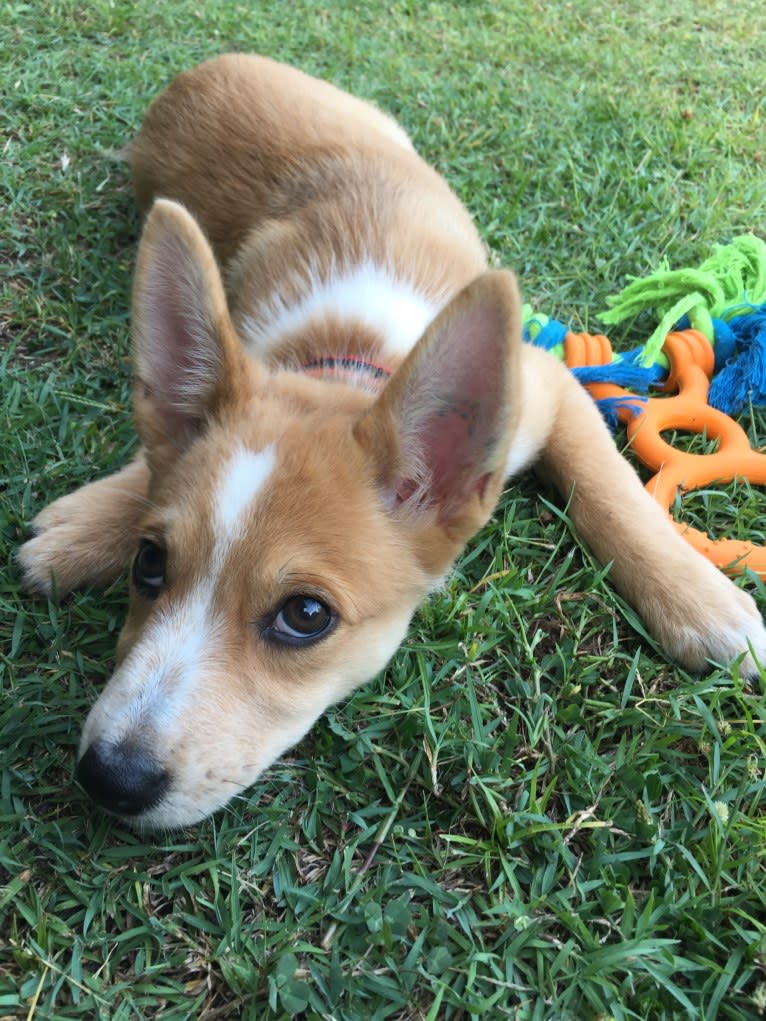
{"type": "Point", "coordinates": [291, 530]}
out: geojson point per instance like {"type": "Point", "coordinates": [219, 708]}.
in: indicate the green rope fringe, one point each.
{"type": "Point", "coordinates": [733, 276]}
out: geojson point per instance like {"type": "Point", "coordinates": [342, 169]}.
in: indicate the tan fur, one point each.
{"type": "Point", "coordinates": [302, 159]}
{"type": "Point", "coordinates": [63, 553]}
{"type": "Point", "coordinates": [364, 500]}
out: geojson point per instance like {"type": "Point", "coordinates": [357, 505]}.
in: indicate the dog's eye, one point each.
{"type": "Point", "coordinates": [149, 568]}
{"type": "Point", "coordinates": [301, 620]}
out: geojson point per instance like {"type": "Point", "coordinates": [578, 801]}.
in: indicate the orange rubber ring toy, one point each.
{"type": "Point", "coordinates": [691, 360]}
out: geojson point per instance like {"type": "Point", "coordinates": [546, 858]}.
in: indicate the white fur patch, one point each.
{"type": "Point", "coordinates": [243, 478]}
{"type": "Point", "coordinates": [171, 656]}
{"type": "Point", "coordinates": [158, 676]}
{"type": "Point", "coordinates": [524, 449]}
{"type": "Point", "coordinates": [369, 294]}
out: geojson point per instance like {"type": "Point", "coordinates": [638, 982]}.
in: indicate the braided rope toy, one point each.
{"type": "Point", "coordinates": [708, 353]}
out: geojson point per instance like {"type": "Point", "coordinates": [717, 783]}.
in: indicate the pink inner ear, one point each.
{"type": "Point", "coordinates": [455, 450]}
{"type": "Point", "coordinates": [177, 360]}
{"type": "Point", "coordinates": [463, 413]}
{"type": "Point", "coordinates": [178, 355]}
{"type": "Point", "coordinates": [178, 383]}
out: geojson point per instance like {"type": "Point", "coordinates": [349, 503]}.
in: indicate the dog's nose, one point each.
{"type": "Point", "coordinates": [123, 778]}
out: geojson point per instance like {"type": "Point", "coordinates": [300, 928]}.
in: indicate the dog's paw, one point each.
{"type": "Point", "coordinates": [724, 625]}
{"type": "Point", "coordinates": [45, 559]}
{"type": "Point", "coordinates": [44, 562]}
{"type": "Point", "coordinates": [57, 514]}
{"type": "Point", "coordinates": [65, 557]}
{"type": "Point", "coordinates": [84, 538]}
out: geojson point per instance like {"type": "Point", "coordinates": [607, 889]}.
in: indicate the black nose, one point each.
{"type": "Point", "coordinates": [123, 778]}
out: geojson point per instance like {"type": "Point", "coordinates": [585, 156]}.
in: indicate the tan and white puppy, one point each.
{"type": "Point", "coordinates": [331, 390]}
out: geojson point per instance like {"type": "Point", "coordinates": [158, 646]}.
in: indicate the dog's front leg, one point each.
{"type": "Point", "coordinates": [87, 537]}
{"type": "Point", "coordinates": [692, 608]}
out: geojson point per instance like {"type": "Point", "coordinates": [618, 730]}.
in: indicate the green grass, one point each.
{"type": "Point", "coordinates": [532, 815]}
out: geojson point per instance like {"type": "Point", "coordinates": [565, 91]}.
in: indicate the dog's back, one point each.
{"type": "Point", "coordinates": [292, 179]}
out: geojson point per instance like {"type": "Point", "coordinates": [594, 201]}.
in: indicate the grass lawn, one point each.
{"type": "Point", "coordinates": [532, 814]}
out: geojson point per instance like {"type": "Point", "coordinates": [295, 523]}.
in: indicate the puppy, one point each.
{"type": "Point", "coordinates": [331, 390]}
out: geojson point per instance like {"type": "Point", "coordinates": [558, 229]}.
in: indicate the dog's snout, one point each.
{"type": "Point", "coordinates": [123, 778]}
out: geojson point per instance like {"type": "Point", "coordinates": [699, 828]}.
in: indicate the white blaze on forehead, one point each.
{"type": "Point", "coordinates": [240, 483]}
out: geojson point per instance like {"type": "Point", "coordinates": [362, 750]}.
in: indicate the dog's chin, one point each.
{"type": "Point", "coordinates": [167, 817]}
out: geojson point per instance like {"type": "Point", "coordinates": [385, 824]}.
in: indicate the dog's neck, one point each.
{"type": "Point", "coordinates": [344, 324]}
{"type": "Point", "coordinates": [350, 369]}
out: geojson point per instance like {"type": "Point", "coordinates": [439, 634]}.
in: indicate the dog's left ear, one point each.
{"type": "Point", "coordinates": [188, 359]}
{"type": "Point", "coordinates": [441, 429]}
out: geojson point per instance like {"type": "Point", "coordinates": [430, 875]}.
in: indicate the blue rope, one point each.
{"type": "Point", "coordinates": [740, 362]}
{"type": "Point", "coordinates": [740, 358]}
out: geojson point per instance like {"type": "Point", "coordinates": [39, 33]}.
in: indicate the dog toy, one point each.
{"type": "Point", "coordinates": [707, 355]}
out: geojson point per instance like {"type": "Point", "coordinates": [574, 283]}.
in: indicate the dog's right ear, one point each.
{"type": "Point", "coordinates": [188, 360]}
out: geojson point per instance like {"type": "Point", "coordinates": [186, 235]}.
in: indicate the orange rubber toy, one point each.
{"type": "Point", "coordinates": [691, 366]}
